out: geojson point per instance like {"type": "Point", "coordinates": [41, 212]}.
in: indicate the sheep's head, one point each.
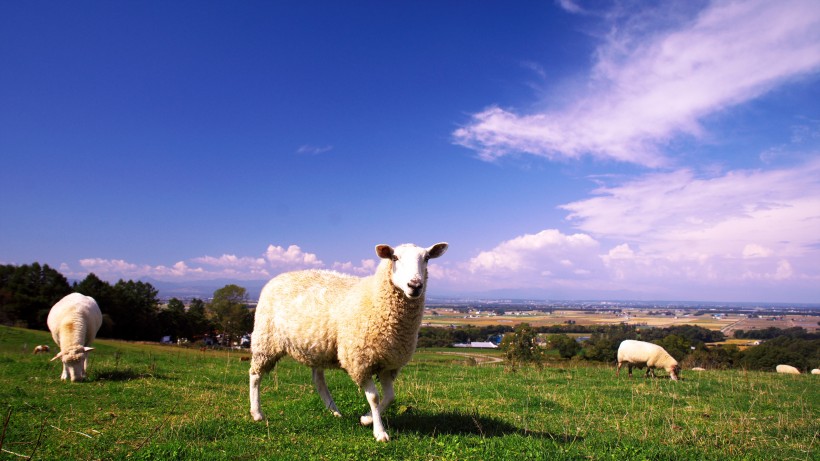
{"type": "Point", "coordinates": [674, 372]}
{"type": "Point", "coordinates": [74, 362]}
{"type": "Point", "coordinates": [410, 266]}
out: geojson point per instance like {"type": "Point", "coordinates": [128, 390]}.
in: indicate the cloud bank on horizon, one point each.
{"type": "Point", "coordinates": [673, 229]}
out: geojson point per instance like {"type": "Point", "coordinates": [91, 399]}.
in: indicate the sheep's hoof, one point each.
{"type": "Point", "coordinates": [366, 420]}
{"type": "Point", "coordinates": [257, 416]}
{"type": "Point", "coordinates": [383, 437]}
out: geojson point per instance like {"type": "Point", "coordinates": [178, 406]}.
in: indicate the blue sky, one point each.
{"type": "Point", "coordinates": [565, 150]}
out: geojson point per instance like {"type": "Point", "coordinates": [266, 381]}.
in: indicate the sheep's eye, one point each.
{"type": "Point", "coordinates": [394, 258]}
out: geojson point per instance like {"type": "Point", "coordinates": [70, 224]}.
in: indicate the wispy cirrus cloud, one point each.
{"type": "Point", "coordinates": [679, 213]}
{"type": "Point", "coordinates": [308, 149]}
{"type": "Point", "coordinates": [728, 231]}
{"type": "Point", "coordinates": [650, 86]}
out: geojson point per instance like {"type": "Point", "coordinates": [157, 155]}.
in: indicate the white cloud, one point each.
{"type": "Point", "coordinates": [313, 150]}
{"type": "Point", "coordinates": [529, 258]}
{"type": "Point", "coordinates": [228, 261]}
{"type": "Point", "coordinates": [740, 235]}
{"type": "Point", "coordinates": [647, 88]}
{"type": "Point", "coordinates": [753, 250]}
{"type": "Point", "coordinates": [739, 214]}
{"type": "Point", "coordinates": [366, 267]}
{"type": "Point", "coordinates": [112, 266]}
{"type": "Point", "coordinates": [676, 228]}
{"type": "Point", "coordinates": [570, 6]}
{"type": "Point", "coordinates": [118, 268]}
{"type": "Point", "coordinates": [275, 260]}
{"type": "Point", "coordinates": [290, 258]}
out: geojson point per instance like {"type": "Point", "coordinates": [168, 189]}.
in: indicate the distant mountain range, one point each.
{"type": "Point", "coordinates": [203, 289]}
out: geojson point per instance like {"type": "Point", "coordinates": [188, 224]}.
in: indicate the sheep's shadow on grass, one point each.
{"type": "Point", "coordinates": [464, 423]}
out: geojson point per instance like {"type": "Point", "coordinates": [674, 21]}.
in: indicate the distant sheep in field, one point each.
{"type": "Point", "coordinates": [74, 322]}
{"type": "Point", "coordinates": [642, 354]}
{"type": "Point", "coordinates": [787, 369]}
{"type": "Point", "coordinates": [41, 348]}
{"type": "Point", "coordinates": [816, 371]}
{"type": "Point", "coordinates": [698, 369]}
{"type": "Point", "coordinates": [366, 326]}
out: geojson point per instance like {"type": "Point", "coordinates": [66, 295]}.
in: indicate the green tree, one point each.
{"type": "Point", "coordinates": [801, 353]}
{"type": "Point", "coordinates": [721, 357]}
{"type": "Point", "coordinates": [520, 346]}
{"type": "Point", "coordinates": [172, 319]}
{"type": "Point", "coordinates": [134, 311]}
{"type": "Point", "coordinates": [103, 293]}
{"type": "Point", "coordinates": [677, 346]}
{"type": "Point", "coordinates": [229, 310]}
{"type": "Point", "coordinates": [600, 348]}
{"type": "Point", "coordinates": [27, 293]}
{"type": "Point", "coordinates": [197, 320]}
{"type": "Point", "coordinates": [567, 347]}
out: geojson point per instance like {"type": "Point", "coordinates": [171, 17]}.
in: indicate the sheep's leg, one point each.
{"type": "Point", "coordinates": [372, 395]}
{"type": "Point", "coordinates": [256, 411]}
{"type": "Point", "coordinates": [64, 376]}
{"type": "Point", "coordinates": [618, 372]}
{"type": "Point", "coordinates": [388, 395]}
{"type": "Point", "coordinates": [629, 366]}
{"type": "Point", "coordinates": [260, 365]}
{"type": "Point", "coordinates": [324, 393]}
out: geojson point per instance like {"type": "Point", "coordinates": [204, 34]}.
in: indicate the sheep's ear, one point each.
{"type": "Point", "coordinates": [437, 250]}
{"type": "Point", "coordinates": [88, 349]}
{"type": "Point", "coordinates": [384, 251]}
{"type": "Point", "coordinates": [59, 354]}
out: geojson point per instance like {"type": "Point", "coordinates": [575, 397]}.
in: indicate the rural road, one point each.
{"type": "Point", "coordinates": [480, 359]}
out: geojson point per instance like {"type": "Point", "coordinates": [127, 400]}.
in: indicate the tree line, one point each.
{"type": "Point", "coordinates": [131, 309]}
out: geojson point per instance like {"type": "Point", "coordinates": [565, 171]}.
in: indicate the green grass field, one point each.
{"type": "Point", "coordinates": [165, 402]}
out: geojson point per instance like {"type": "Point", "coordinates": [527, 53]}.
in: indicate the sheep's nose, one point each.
{"type": "Point", "coordinates": [415, 284]}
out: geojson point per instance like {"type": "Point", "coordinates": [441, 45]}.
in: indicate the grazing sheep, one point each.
{"type": "Point", "coordinates": [815, 371]}
{"type": "Point", "coordinates": [698, 369]}
{"type": "Point", "coordinates": [74, 322]}
{"type": "Point", "coordinates": [788, 369]}
{"type": "Point", "coordinates": [642, 354]}
{"type": "Point", "coordinates": [41, 348]}
{"type": "Point", "coordinates": [366, 326]}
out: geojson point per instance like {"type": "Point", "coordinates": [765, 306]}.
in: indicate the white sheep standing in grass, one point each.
{"type": "Point", "coordinates": [788, 369]}
{"type": "Point", "coordinates": [643, 354]}
{"type": "Point", "coordinates": [41, 348]}
{"type": "Point", "coordinates": [74, 322]}
{"type": "Point", "coordinates": [366, 326]}
{"type": "Point", "coordinates": [815, 371]}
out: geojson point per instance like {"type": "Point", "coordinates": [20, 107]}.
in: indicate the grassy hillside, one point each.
{"type": "Point", "coordinates": [165, 402]}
